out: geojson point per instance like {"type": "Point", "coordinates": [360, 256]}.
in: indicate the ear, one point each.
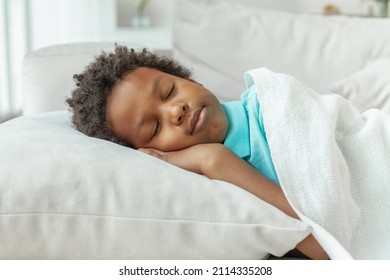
{"type": "Point", "coordinates": [192, 80]}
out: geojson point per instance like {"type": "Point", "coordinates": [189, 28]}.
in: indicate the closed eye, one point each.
{"type": "Point", "coordinates": [171, 91]}
{"type": "Point", "coordinates": [156, 129]}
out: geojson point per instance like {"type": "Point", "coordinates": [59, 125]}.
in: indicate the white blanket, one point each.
{"type": "Point", "coordinates": [333, 163]}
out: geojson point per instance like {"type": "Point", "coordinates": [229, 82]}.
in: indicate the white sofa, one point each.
{"type": "Point", "coordinates": [68, 196]}
{"type": "Point", "coordinates": [346, 55]}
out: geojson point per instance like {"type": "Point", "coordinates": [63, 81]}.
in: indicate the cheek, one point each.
{"type": "Point", "coordinates": [171, 141]}
{"type": "Point", "coordinates": [219, 128]}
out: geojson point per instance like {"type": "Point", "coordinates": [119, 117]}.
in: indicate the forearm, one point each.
{"type": "Point", "coordinates": [226, 166]}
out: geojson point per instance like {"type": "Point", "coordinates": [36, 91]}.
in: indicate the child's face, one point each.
{"type": "Point", "coordinates": [152, 109]}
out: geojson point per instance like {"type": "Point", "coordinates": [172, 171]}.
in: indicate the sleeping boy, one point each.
{"type": "Point", "coordinates": [149, 102]}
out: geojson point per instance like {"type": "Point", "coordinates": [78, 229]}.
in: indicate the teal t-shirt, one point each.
{"type": "Point", "coordinates": [246, 136]}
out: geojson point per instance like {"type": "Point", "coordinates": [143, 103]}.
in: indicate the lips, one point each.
{"type": "Point", "coordinates": [196, 120]}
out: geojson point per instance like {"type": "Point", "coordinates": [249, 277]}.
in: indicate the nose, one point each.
{"type": "Point", "coordinates": [177, 112]}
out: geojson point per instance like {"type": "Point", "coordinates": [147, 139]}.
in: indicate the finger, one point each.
{"type": "Point", "coordinates": [151, 152]}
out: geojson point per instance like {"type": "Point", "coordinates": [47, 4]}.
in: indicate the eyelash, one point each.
{"type": "Point", "coordinates": [157, 129]}
{"type": "Point", "coordinates": [171, 91]}
{"type": "Point", "coordinates": [158, 126]}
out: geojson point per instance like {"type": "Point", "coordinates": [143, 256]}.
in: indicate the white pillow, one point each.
{"type": "Point", "coordinates": [68, 196]}
{"type": "Point", "coordinates": [369, 87]}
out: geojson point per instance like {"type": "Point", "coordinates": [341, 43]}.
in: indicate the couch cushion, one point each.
{"type": "Point", "coordinates": [368, 88]}
{"type": "Point", "coordinates": [221, 40]}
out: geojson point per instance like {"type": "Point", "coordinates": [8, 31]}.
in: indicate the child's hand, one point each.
{"type": "Point", "coordinates": [181, 158]}
{"type": "Point", "coordinates": [194, 159]}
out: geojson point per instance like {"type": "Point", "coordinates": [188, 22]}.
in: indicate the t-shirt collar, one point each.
{"type": "Point", "coordinates": [237, 138]}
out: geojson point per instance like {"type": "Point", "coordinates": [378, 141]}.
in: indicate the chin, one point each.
{"type": "Point", "coordinates": [221, 129]}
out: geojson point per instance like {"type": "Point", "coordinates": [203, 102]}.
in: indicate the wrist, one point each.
{"type": "Point", "coordinates": [212, 159]}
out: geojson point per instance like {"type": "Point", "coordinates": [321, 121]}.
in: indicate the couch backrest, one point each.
{"type": "Point", "coordinates": [220, 41]}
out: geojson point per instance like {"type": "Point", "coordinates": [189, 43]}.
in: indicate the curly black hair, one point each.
{"type": "Point", "coordinates": [94, 85]}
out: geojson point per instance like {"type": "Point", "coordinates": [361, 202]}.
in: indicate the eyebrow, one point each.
{"type": "Point", "coordinates": [156, 82]}
{"type": "Point", "coordinates": [155, 85]}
